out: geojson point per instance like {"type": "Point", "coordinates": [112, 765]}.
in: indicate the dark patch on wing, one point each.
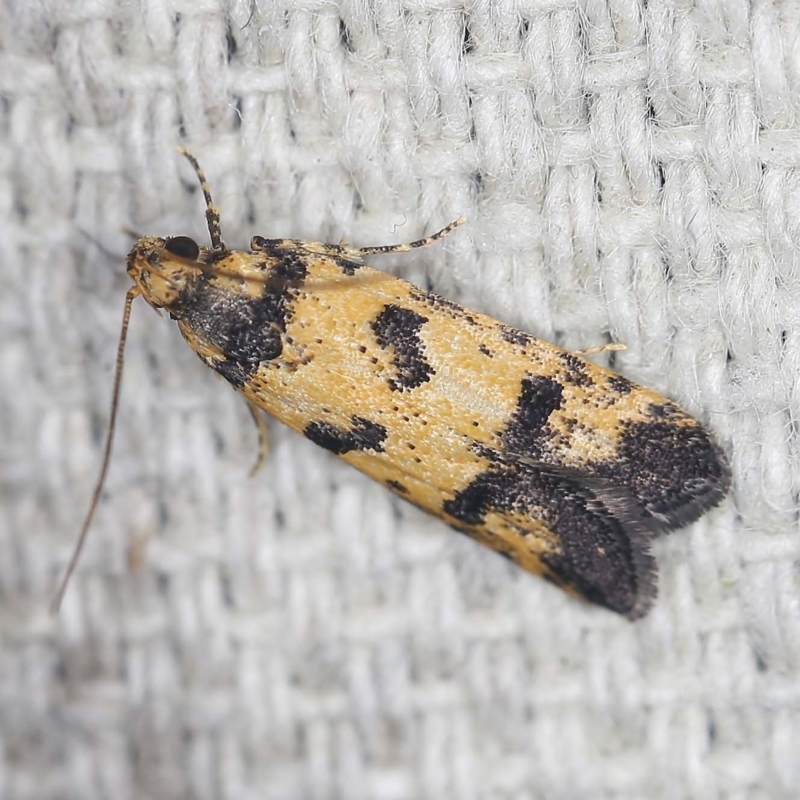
{"type": "Point", "coordinates": [247, 330]}
{"type": "Point", "coordinates": [398, 328]}
{"type": "Point", "coordinates": [570, 424]}
{"type": "Point", "coordinates": [235, 372]}
{"type": "Point", "coordinates": [441, 305]}
{"type": "Point", "coordinates": [576, 370]}
{"type": "Point", "coordinates": [664, 411]}
{"type": "Point", "coordinates": [601, 533]}
{"type": "Point", "coordinates": [333, 252]}
{"type": "Point", "coordinates": [347, 264]}
{"type": "Point", "coordinates": [527, 430]}
{"type": "Point", "coordinates": [676, 471]}
{"type": "Point", "coordinates": [515, 336]}
{"type": "Point", "coordinates": [276, 248]}
{"type": "Point", "coordinates": [397, 486]}
{"type": "Point", "coordinates": [486, 351]}
{"type": "Point", "coordinates": [620, 385]}
{"type": "Point", "coordinates": [364, 435]}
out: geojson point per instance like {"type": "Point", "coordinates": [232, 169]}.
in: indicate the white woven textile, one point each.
{"type": "Point", "coordinates": [630, 171]}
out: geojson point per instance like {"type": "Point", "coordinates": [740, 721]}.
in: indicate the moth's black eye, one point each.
{"type": "Point", "coordinates": [183, 247]}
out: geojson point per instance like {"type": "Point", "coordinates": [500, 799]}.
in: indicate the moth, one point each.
{"type": "Point", "coordinates": [565, 467]}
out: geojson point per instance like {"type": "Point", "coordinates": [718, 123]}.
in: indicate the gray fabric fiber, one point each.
{"type": "Point", "coordinates": [629, 172]}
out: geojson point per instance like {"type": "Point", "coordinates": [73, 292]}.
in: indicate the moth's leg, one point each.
{"type": "Point", "coordinates": [404, 248]}
{"type": "Point", "coordinates": [263, 435]}
{"type": "Point", "coordinates": [343, 250]}
{"type": "Point", "coordinates": [601, 348]}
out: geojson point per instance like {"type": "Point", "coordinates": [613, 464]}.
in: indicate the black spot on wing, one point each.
{"type": "Point", "coordinates": [279, 249]}
{"type": "Point", "coordinates": [247, 330]}
{"type": "Point", "coordinates": [364, 435]}
{"type": "Point", "coordinates": [515, 336]}
{"type": "Point", "coordinates": [527, 431]}
{"type": "Point", "coordinates": [620, 385]}
{"type": "Point", "coordinates": [398, 329]}
{"type": "Point", "coordinates": [576, 370]}
{"type": "Point", "coordinates": [397, 486]}
{"type": "Point", "coordinates": [600, 531]}
{"type": "Point", "coordinates": [676, 471]}
{"type": "Point", "coordinates": [334, 252]}
{"type": "Point", "coordinates": [664, 411]}
{"type": "Point", "coordinates": [346, 264]}
{"type": "Point", "coordinates": [441, 305]}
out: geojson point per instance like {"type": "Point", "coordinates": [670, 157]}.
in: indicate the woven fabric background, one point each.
{"type": "Point", "coordinates": [630, 171]}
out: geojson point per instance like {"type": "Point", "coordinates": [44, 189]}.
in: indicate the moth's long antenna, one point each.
{"type": "Point", "coordinates": [212, 212]}
{"type": "Point", "coordinates": [133, 293]}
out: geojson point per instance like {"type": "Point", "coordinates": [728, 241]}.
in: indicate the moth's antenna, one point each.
{"type": "Point", "coordinates": [212, 212]}
{"type": "Point", "coordinates": [133, 293]}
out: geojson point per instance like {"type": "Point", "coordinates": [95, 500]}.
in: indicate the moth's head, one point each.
{"type": "Point", "coordinates": [163, 268]}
